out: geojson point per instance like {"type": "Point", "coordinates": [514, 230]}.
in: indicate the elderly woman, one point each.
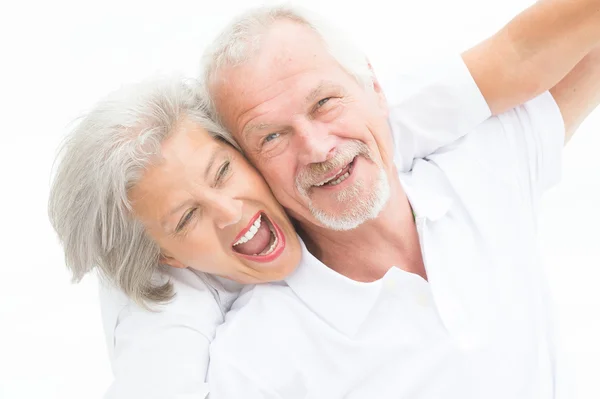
{"type": "Point", "coordinates": [148, 193]}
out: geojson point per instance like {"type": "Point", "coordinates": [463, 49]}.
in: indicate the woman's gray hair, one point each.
{"type": "Point", "coordinates": [100, 160]}
{"type": "Point", "coordinates": [241, 40]}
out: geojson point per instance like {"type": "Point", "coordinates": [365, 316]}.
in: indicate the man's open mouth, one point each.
{"type": "Point", "coordinates": [261, 240]}
{"type": "Point", "coordinates": [339, 176]}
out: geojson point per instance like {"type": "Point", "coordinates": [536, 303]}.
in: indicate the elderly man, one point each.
{"type": "Point", "coordinates": [420, 277]}
{"type": "Point", "coordinates": [421, 280]}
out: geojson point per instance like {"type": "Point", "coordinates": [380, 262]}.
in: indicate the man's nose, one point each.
{"type": "Point", "coordinates": [226, 210]}
{"type": "Point", "coordinates": [314, 144]}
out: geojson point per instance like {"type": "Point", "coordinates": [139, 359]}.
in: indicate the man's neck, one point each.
{"type": "Point", "coordinates": [367, 252]}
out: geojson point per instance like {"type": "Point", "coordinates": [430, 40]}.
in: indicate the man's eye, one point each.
{"type": "Point", "coordinates": [323, 102]}
{"type": "Point", "coordinates": [271, 137]}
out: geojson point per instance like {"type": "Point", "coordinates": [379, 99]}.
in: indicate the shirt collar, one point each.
{"type": "Point", "coordinates": [341, 302]}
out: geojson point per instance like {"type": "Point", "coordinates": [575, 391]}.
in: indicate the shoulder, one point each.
{"type": "Point", "coordinates": [516, 156]}
{"type": "Point", "coordinates": [520, 131]}
{"type": "Point", "coordinates": [198, 304]}
{"type": "Point", "coordinates": [260, 339]}
{"type": "Point", "coordinates": [264, 320]}
{"type": "Point", "coordinates": [432, 107]}
{"type": "Point", "coordinates": [164, 351]}
{"type": "Point", "coordinates": [259, 308]}
{"type": "Point", "coordinates": [442, 79]}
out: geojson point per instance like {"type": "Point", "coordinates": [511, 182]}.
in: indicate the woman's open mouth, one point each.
{"type": "Point", "coordinates": [261, 241]}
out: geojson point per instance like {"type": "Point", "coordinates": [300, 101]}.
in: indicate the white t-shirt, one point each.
{"type": "Point", "coordinates": [480, 327]}
{"type": "Point", "coordinates": [165, 354]}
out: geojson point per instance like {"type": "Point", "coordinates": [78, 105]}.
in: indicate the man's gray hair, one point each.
{"type": "Point", "coordinates": [241, 40]}
{"type": "Point", "coordinates": [101, 159]}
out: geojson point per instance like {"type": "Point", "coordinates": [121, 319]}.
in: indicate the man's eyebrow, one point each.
{"type": "Point", "coordinates": [323, 86]}
{"type": "Point", "coordinates": [257, 127]}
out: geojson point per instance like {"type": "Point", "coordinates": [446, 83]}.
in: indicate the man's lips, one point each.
{"type": "Point", "coordinates": [332, 176]}
{"type": "Point", "coordinates": [335, 174]}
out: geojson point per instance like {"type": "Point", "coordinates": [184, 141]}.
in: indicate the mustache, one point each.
{"type": "Point", "coordinates": [313, 174]}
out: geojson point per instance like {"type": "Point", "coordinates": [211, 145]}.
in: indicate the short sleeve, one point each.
{"type": "Point", "coordinates": [162, 353]}
{"type": "Point", "coordinates": [520, 149]}
{"type": "Point", "coordinates": [539, 130]}
{"type": "Point", "coordinates": [432, 107]}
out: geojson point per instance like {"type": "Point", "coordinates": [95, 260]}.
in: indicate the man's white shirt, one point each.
{"type": "Point", "coordinates": [480, 327]}
{"type": "Point", "coordinates": [165, 354]}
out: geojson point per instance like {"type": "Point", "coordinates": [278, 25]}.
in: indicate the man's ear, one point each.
{"type": "Point", "coordinates": [170, 261]}
{"type": "Point", "coordinates": [378, 89]}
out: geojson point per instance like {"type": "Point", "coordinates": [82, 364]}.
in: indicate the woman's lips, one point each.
{"type": "Point", "coordinates": [261, 241]}
{"type": "Point", "coordinates": [255, 239]}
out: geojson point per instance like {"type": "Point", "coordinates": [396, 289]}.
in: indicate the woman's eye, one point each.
{"type": "Point", "coordinates": [271, 137]}
{"type": "Point", "coordinates": [185, 219]}
{"type": "Point", "coordinates": [223, 170]}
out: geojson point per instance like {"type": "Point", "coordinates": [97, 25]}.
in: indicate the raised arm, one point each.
{"type": "Point", "coordinates": [534, 51]}
{"type": "Point", "coordinates": [578, 93]}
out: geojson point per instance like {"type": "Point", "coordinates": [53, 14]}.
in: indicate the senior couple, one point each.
{"type": "Point", "coordinates": [289, 228]}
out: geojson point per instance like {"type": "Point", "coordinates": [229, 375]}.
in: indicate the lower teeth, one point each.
{"type": "Point", "coordinates": [339, 179]}
{"type": "Point", "coordinates": [273, 245]}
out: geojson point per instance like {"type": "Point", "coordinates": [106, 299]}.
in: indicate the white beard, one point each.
{"type": "Point", "coordinates": [362, 210]}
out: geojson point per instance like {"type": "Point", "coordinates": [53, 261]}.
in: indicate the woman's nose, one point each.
{"type": "Point", "coordinates": [227, 211]}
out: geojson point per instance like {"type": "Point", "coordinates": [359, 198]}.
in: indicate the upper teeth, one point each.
{"type": "Point", "coordinates": [250, 233]}
{"type": "Point", "coordinates": [330, 179]}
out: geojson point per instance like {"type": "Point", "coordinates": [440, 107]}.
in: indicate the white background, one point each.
{"type": "Point", "coordinates": [57, 58]}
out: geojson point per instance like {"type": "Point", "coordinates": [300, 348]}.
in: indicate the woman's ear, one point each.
{"type": "Point", "coordinates": [170, 261]}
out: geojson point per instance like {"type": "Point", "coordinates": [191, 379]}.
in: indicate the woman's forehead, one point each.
{"type": "Point", "coordinates": [188, 155]}
{"type": "Point", "coordinates": [186, 140]}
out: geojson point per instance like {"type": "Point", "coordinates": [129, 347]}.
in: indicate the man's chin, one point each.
{"type": "Point", "coordinates": [353, 212]}
{"type": "Point", "coordinates": [337, 220]}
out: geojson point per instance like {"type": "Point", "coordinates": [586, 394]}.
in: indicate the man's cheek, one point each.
{"type": "Point", "coordinates": [282, 179]}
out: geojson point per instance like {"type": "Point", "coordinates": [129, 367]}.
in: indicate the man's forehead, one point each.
{"type": "Point", "coordinates": [286, 51]}
{"type": "Point", "coordinates": [285, 39]}
{"type": "Point", "coordinates": [305, 94]}
{"type": "Point", "coordinates": [285, 48]}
